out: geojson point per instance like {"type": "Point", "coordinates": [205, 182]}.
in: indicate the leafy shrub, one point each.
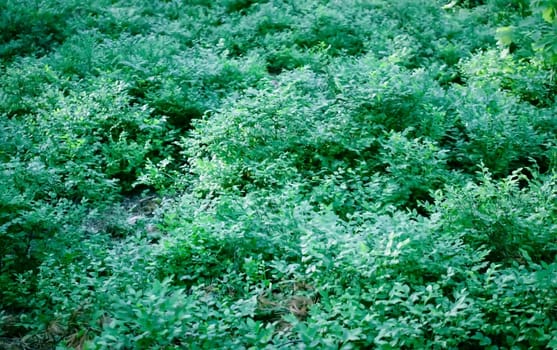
{"type": "Point", "coordinates": [180, 87]}
{"type": "Point", "coordinates": [401, 265]}
{"type": "Point", "coordinates": [415, 167]}
{"type": "Point", "coordinates": [77, 285]}
{"type": "Point", "coordinates": [521, 315]}
{"type": "Point", "coordinates": [30, 229]}
{"type": "Point", "coordinates": [380, 96]}
{"type": "Point", "coordinates": [513, 222]}
{"type": "Point", "coordinates": [148, 324]}
{"type": "Point", "coordinates": [32, 26]}
{"type": "Point", "coordinates": [24, 82]}
{"type": "Point", "coordinates": [498, 130]}
{"type": "Point", "coordinates": [332, 29]}
{"type": "Point", "coordinates": [529, 82]}
{"type": "Point", "coordinates": [236, 145]}
{"type": "Point", "coordinates": [208, 242]}
{"type": "Point", "coordinates": [80, 56]}
{"type": "Point", "coordinates": [72, 151]}
{"type": "Point", "coordinates": [98, 132]}
{"type": "Point", "coordinates": [535, 35]}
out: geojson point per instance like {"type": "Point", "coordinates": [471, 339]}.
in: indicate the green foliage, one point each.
{"type": "Point", "coordinates": [63, 152]}
{"type": "Point", "coordinates": [535, 35]}
{"type": "Point", "coordinates": [384, 271]}
{"type": "Point", "coordinates": [267, 126]}
{"type": "Point", "coordinates": [32, 26]}
{"type": "Point", "coordinates": [526, 81]}
{"type": "Point", "coordinates": [210, 241]}
{"type": "Point", "coordinates": [332, 29]}
{"type": "Point", "coordinates": [500, 131]}
{"type": "Point", "coordinates": [248, 174]}
{"type": "Point", "coordinates": [546, 43]}
{"type": "Point", "coordinates": [415, 167]}
{"type": "Point", "coordinates": [513, 222]}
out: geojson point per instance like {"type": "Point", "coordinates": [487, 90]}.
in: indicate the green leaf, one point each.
{"type": "Point", "coordinates": [505, 35]}
{"type": "Point", "coordinates": [548, 14]}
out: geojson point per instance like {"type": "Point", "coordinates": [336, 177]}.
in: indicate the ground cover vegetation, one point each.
{"type": "Point", "coordinates": [265, 174]}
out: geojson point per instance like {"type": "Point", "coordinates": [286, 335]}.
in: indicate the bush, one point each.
{"type": "Point", "coordinates": [512, 217]}
{"type": "Point", "coordinates": [32, 26]}
{"type": "Point", "coordinates": [499, 130]}
{"type": "Point", "coordinates": [535, 34]}
{"type": "Point", "coordinates": [66, 154]}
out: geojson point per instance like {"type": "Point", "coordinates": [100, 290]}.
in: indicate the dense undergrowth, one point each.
{"type": "Point", "coordinates": [278, 174]}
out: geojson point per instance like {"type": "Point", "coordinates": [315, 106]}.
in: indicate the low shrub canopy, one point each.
{"type": "Point", "coordinates": [278, 174]}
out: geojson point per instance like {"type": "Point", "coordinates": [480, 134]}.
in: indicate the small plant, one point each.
{"type": "Point", "coordinates": [512, 221]}
{"type": "Point", "coordinates": [500, 130]}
